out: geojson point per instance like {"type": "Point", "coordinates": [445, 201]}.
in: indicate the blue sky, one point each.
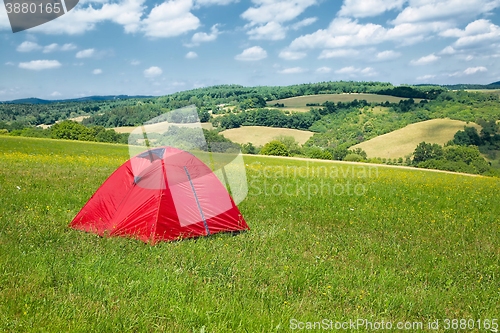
{"type": "Point", "coordinates": [145, 47]}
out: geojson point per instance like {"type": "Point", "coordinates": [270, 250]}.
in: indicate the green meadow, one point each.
{"type": "Point", "coordinates": [328, 240]}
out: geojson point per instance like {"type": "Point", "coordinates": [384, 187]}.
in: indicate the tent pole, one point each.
{"type": "Point", "coordinates": [197, 201]}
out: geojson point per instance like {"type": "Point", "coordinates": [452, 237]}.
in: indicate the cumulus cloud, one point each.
{"type": "Point", "coordinates": [342, 32]}
{"type": "Point", "coordinates": [267, 18]}
{"type": "Point", "coordinates": [477, 33]}
{"type": "Point", "coordinates": [152, 72]}
{"type": "Point", "coordinates": [431, 11]}
{"type": "Point", "coordinates": [354, 71]}
{"type": "Point", "coordinates": [387, 55]}
{"type": "Point", "coordinates": [85, 18]}
{"type": "Point", "coordinates": [303, 23]}
{"type": "Point", "coordinates": [292, 70]}
{"type": "Point", "coordinates": [214, 2]}
{"type": "Point", "coordinates": [170, 19]}
{"type": "Point", "coordinates": [85, 53]}
{"type": "Point", "coordinates": [276, 11]}
{"type": "Point", "coordinates": [203, 37]}
{"type": "Point", "coordinates": [365, 8]}
{"type": "Point", "coordinates": [28, 46]}
{"type": "Point", "coordinates": [191, 55]}
{"type": "Point", "coordinates": [54, 47]}
{"type": "Point", "coordinates": [253, 53]}
{"type": "Point", "coordinates": [339, 53]}
{"type": "Point", "coordinates": [38, 65]}
{"type": "Point", "coordinates": [55, 94]}
{"type": "Point", "coordinates": [97, 71]}
{"type": "Point", "coordinates": [269, 31]}
{"type": "Point", "coordinates": [425, 60]}
{"type": "Point", "coordinates": [291, 55]}
{"type": "Point", "coordinates": [474, 70]}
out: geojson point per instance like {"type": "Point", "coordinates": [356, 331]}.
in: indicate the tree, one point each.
{"type": "Point", "coordinates": [275, 148]}
{"type": "Point", "coordinates": [290, 143]}
{"type": "Point", "coordinates": [467, 137]}
{"type": "Point", "coordinates": [427, 151]}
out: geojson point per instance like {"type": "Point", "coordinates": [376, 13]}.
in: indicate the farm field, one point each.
{"type": "Point", "coordinates": [160, 127]}
{"type": "Point", "coordinates": [260, 135]}
{"type": "Point", "coordinates": [328, 240]}
{"type": "Point", "coordinates": [298, 103]}
{"type": "Point", "coordinates": [402, 142]}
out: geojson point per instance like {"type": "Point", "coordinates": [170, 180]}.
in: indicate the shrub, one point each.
{"type": "Point", "coordinates": [353, 158]}
{"type": "Point", "coordinates": [319, 153]}
{"type": "Point", "coordinates": [275, 148]}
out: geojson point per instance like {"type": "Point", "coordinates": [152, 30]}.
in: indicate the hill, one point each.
{"type": "Point", "coordinates": [327, 240]}
{"type": "Point", "coordinates": [34, 100]}
{"type": "Point", "coordinates": [260, 135]}
{"type": "Point", "coordinates": [303, 101]}
{"type": "Point", "coordinates": [402, 142]}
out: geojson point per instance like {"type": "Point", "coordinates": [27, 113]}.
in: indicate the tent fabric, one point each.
{"type": "Point", "coordinates": [162, 194]}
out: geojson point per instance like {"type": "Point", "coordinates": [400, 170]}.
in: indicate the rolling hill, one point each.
{"type": "Point", "coordinates": [260, 135]}
{"type": "Point", "coordinates": [402, 142]}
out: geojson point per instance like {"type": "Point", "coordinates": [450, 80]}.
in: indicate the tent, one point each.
{"type": "Point", "coordinates": [161, 194]}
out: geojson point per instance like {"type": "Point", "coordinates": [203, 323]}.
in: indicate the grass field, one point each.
{"type": "Point", "coordinates": [260, 135]}
{"type": "Point", "coordinates": [402, 142]}
{"type": "Point", "coordinates": [298, 103]}
{"type": "Point", "coordinates": [333, 241]}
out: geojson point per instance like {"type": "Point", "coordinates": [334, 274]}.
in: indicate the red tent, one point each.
{"type": "Point", "coordinates": [162, 194]}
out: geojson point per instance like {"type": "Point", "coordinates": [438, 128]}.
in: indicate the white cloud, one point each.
{"type": "Point", "coordinates": [214, 2]}
{"type": "Point", "coordinates": [426, 77]}
{"type": "Point", "coordinates": [269, 31]}
{"type": "Point", "coordinates": [276, 10]}
{"type": "Point", "coordinates": [365, 8]}
{"type": "Point", "coordinates": [323, 70]}
{"type": "Point", "coordinates": [291, 55]}
{"type": "Point", "coordinates": [152, 72]}
{"type": "Point", "coordinates": [476, 34]}
{"type": "Point", "coordinates": [266, 20]}
{"type": "Point", "coordinates": [292, 70]}
{"type": "Point", "coordinates": [85, 53]}
{"type": "Point", "coordinates": [339, 53]}
{"type": "Point", "coordinates": [81, 19]}
{"type": "Point", "coordinates": [55, 94]}
{"type": "Point", "coordinates": [38, 65]}
{"type": "Point", "coordinates": [97, 71]}
{"type": "Point", "coordinates": [448, 50]}
{"type": "Point", "coordinates": [28, 46]}
{"type": "Point", "coordinates": [387, 55]}
{"type": "Point", "coordinates": [171, 18]}
{"type": "Point", "coordinates": [191, 55]}
{"type": "Point", "coordinates": [342, 32]}
{"type": "Point", "coordinates": [203, 37]}
{"type": "Point", "coordinates": [10, 63]}
{"type": "Point", "coordinates": [253, 53]}
{"type": "Point", "coordinates": [347, 33]}
{"type": "Point", "coordinates": [354, 71]}
{"type": "Point", "coordinates": [425, 60]}
{"type": "Point", "coordinates": [303, 23]}
{"type": "Point", "coordinates": [135, 62]}
{"type": "Point", "coordinates": [474, 70]}
{"type": "Point", "coordinates": [442, 10]}
{"type": "Point", "coordinates": [56, 47]}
